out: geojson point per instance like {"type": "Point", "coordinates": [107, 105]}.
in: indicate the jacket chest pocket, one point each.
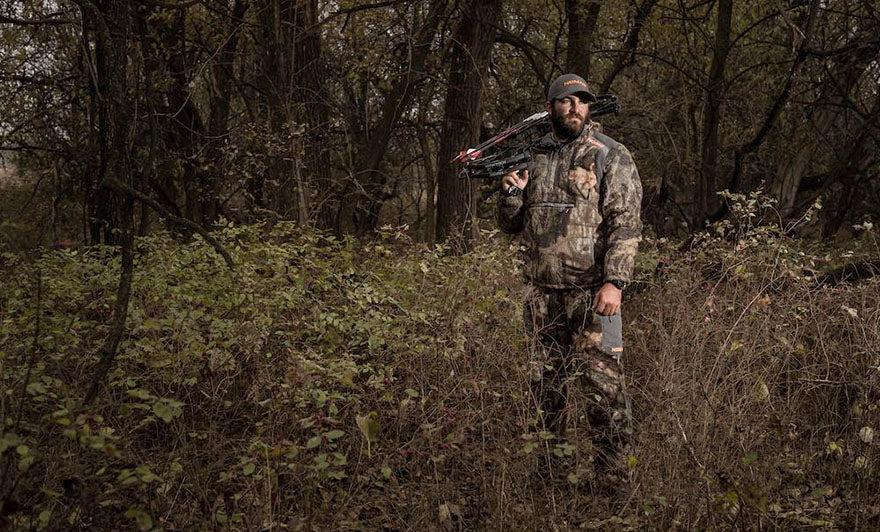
{"type": "Point", "coordinates": [581, 182]}
{"type": "Point", "coordinates": [548, 222]}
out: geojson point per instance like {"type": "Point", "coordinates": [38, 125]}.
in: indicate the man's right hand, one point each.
{"type": "Point", "coordinates": [515, 179]}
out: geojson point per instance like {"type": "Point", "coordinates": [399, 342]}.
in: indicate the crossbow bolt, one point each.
{"type": "Point", "coordinates": [467, 155]}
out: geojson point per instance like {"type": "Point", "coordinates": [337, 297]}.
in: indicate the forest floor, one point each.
{"type": "Point", "coordinates": [328, 384]}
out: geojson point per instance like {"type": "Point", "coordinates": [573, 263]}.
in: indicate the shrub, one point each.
{"type": "Point", "coordinates": [347, 384]}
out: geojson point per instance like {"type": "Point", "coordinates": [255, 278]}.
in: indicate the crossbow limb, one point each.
{"type": "Point", "coordinates": [497, 157]}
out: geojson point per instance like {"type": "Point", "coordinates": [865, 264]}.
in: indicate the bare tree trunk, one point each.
{"type": "Point", "coordinates": [369, 180]}
{"type": "Point", "coordinates": [583, 16]}
{"type": "Point", "coordinates": [456, 206]}
{"type": "Point", "coordinates": [293, 105]}
{"type": "Point", "coordinates": [780, 101]}
{"type": "Point", "coordinates": [847, 169]}
{"type": "Point", "coordinates": [794, 164]}
{"type": "Point", "coordinates": [90, 177]}
{"type": "Point", "coordinates": [707, 185]}
{"type": "Point", "coordinates": [430, 177]}
{"type": "Point", "coordinates": [110, 213]}
{"type": "Point", "coordinates": [430, 172]}
{"type": "Point", "coordinates": [313, 111]}
{"type": "Point", "coordinates": [113, 21]}
{"type": "Point", "coordinates": [185, 131]}
{"type": "Point", "coordinates": [223, 88]}
{"type": "Point", "coordinates": [103, 211]}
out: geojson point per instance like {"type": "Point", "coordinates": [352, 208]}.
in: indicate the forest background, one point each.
{"type": "Point", "coordinates": [243, 285]}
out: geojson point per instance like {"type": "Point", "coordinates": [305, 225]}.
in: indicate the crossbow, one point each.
{"type": "Point", "coordinates": [498, 156]}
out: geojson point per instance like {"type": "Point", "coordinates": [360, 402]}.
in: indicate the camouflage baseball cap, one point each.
{"type": "Point", "coordinates": [568, 84]}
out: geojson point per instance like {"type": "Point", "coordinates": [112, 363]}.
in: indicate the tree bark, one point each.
{"type": "Point", "coordinates": [113, 21]}
{"type": "Point", "coordinates": [627, 55]}
{"type": "Point", "coordinates": [369, 180]}
{"type": "Point", "coordinates": [206, 197]}
{"type": "Point", "coordinates": [430, 177]}
{"type": "Point", "coordinates": [456, 207]}
{"type": "Point", "coordinates": [110, 212]}
{"type": "Point", "coordinates": [583, 16]}
{"type": "Point", "coordinates": [182, 134]}
{"type": "Point", "coordinates": [194, 136]}
{"type": "Point", "coordinates": [294, 107]}
{"type": "Point", "coordinates": [707, 184]}
{"type": "Point", "coordinates": [832, 99]}
{"type": "Point", "coordinates": [847, 169]}
{"type": "Point", "coordinates": [313, 111]}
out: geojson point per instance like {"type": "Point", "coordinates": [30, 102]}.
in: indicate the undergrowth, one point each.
{"type": "Point", "coordinates": [347, 385]}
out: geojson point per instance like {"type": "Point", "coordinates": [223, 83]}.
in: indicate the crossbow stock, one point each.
{"type": "Point", "coordinates": [499, 156]}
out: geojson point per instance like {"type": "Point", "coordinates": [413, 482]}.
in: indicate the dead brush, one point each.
{"type": "Point", "coordinates": [366, 385]}
{"type": "Point", "coordinates": [755, 392]}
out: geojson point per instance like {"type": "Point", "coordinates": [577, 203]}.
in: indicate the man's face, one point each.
{"type": "Point", "coordinates": [568, 115]}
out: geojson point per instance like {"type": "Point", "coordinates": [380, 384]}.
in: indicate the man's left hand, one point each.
{"type": "Point", "coordinates": [607, 300]}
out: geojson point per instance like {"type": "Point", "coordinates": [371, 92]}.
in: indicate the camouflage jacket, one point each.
{"type": "Point", "coordinates": [579, 215]}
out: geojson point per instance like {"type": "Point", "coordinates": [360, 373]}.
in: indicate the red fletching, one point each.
{"type": "Point", "coordinates": [467, 155]}
{"type": "Point", "coordinates": [471, 154]}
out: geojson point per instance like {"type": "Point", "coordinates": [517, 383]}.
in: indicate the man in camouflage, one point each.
{"type": "Point", "coordinates": [578, 215]}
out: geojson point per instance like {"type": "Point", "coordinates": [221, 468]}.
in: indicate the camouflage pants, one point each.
{"type": "Point", "coordinates": [571, 344]}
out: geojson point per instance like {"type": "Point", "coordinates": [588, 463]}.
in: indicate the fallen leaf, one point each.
{"type": "Point", "coordinates": [370, 427]}
{"type": "Point", "coordinates": [867, 435]}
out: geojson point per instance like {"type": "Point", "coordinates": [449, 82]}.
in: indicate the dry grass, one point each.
{"type": "Point", "coordinates": [236, 401]}
{"type": "Point", "coordinates": [751, 395]}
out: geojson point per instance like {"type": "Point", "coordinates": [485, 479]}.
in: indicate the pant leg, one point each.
{"type": "Point", "coordinates": [549, 349]}
{"type": "Point", "coordinates": [598, 347]}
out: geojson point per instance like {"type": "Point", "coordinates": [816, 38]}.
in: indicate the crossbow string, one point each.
{"type": "Point", "coordinates": [499, 155]}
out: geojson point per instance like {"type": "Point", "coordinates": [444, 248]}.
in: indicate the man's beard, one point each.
{"type": "Point", "coordinates": [564, 129]}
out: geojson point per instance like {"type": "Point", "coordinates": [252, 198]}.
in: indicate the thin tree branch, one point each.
{"type": "Point", "coordinates": [773, 113]}
{"type": "Point", "coordinates": [758, 22]}
{"type": "Point", "coordinates": [364, 7]}
{"type": "Point", "coordinates": [630, 44]}
{"type": "Point", "coordinates": [163, 212]}
{"type": "Point", "coordinates": [28, 147]}
{"type": "Point", "coordinates": [179, 5]}
{"type": "Point", "coordinates": [47, 20]}
{"type": "Point", "coordinates": [31, 80]}
{"type": "Point", "coordinates": [120, 313]}
{"type": "Point", "coordinates": [660, 59]}
{"type": "Point", "coordinates": [851, 49]}
{"type": "Point", "coordinates": [505, 36]}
